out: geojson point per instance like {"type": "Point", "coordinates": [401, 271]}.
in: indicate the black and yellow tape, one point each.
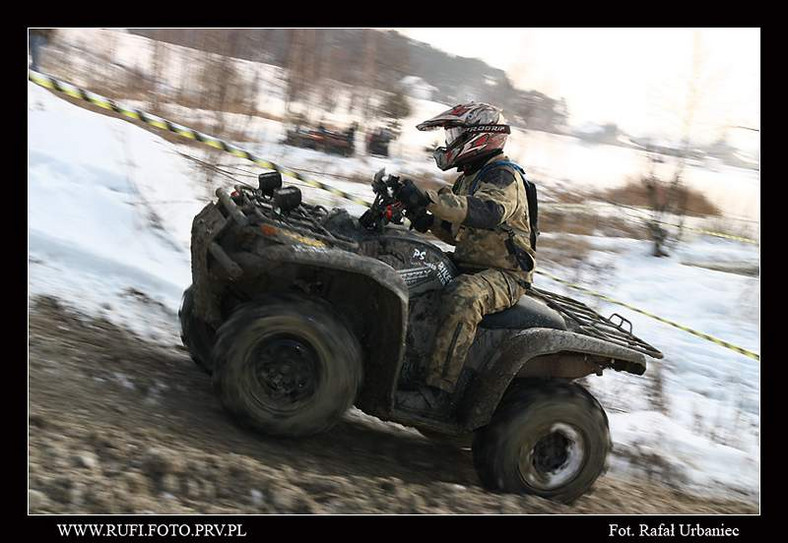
{"type": "Point", "coordinates": [687, 329]}
{"type": "Point", "coordinates": [73, 91]}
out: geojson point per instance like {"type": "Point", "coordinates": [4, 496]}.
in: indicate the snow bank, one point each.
{"type": "Point", "coordinates": [93, 233]}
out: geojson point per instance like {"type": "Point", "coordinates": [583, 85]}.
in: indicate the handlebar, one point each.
{"type": "Point", "coordinates": [385, 208]}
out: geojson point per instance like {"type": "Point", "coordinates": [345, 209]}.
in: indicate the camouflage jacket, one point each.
{"type": "Point", "coordinates": [472, 222]}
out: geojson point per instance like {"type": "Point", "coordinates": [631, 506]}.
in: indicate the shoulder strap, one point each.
{"type": "Point", "coordinates": [530, 190]}
{"type": "Point", "coordinates": [481, 173]}
{"type": "Point", "coordinates": [456, 184]}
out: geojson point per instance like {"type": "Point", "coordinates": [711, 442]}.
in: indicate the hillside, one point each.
{"type": "Point", "coordinates": [377, 59]}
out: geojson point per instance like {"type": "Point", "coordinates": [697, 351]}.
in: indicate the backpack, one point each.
{"type": "Point", "coordinates": [530, 191]}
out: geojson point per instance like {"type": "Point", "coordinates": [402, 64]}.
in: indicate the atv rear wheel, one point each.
{"type": "Point", "coordinates": [287, 366]}
{"type": "Point", "coordinates": [197, 336]}
{"type": "Point", "coordinates": [548, 438]}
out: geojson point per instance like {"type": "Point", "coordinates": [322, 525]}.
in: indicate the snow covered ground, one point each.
{"type": "Point", "coordinates": [696, 418]}
{"type": "Point", "coordinates": [110, 214]}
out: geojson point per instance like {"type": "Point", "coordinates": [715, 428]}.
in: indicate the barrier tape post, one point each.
{"type": "Point", "coordinates": [701, 335]}
{"type": "Point", "coordinates": [51, 83]}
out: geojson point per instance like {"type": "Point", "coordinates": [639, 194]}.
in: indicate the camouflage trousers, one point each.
{"type": "Point", "coordinates": [464, 304]}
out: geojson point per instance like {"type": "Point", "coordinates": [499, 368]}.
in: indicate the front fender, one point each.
{"type": "Point", "coordinates": [486, 391]}
{"type": "Point", "coordinates": [370, 294]}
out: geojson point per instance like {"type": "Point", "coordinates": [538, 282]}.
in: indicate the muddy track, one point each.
{"type": "Point", "coordinates": [120, 425]}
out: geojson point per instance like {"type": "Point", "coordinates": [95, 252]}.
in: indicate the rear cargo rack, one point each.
{"type": "Point", "coordinates": [585, 320]}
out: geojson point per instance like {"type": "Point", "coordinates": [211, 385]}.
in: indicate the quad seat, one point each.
{"type": "Point", "coordinates": [526, 313]}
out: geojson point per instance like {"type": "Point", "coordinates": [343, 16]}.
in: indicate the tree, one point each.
{"type": "Point", "coordinates": [159, 68]}
{"type": "Point", "coordinates": [396, 105]}
{"type": "Point", "coordinates": [370, 68]}
{"type": "Point", "coordinates": [295, 67]}
{"type": "Point", "coordinates": [540, 112]}
{"type": "Point", "coordinates": [669, 197]}
{"type": "Point", "coordinates": [665, 198]}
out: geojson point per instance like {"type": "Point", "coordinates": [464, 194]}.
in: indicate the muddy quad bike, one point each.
{"type": "Point", "coordinates": [299, 313]}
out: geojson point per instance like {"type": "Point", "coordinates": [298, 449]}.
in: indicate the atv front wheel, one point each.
{"type": "Point", "coordinates": [548, 438]}
{"type": "Point", "coordinates": [287, 366]}
{"type": "Point", "coordinates": [197, 336]}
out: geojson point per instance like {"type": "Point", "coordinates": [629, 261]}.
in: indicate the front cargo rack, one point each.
{"type": "Point", "coordinates": [585, 320]}
{"type": "Point", "coordinates": [305, 219]}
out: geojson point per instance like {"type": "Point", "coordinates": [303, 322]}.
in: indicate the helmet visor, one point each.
{"type": "Point", "coordinates": [452, 134]}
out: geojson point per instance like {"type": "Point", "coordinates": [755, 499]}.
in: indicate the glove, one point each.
{"type": "Point", "coordinates": [411, 196]}
{"type": "Point", "coordinates": [421, 220]}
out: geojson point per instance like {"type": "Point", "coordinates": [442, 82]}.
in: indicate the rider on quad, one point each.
{"type": "Point", "coordinates": [485, 216]}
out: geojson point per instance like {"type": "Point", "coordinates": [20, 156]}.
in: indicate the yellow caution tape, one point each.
{"type": "Point", "coordinates": [702, 335]}
{"type": "Point", "coordinates": [699, 230]}
{"type": "Point", "coordinates": [73, 91]}
{"type": "Point", "coordinates": [715, 234]}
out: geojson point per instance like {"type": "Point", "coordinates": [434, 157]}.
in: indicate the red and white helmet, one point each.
{"type": "Point", "coordinates": [472, 130]}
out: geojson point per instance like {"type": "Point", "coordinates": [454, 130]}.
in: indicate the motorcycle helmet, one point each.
{"type": "Point", "coordinates": [472, 130]}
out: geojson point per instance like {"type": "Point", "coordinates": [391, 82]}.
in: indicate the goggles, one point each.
{"type": "Point", "coordinates": [453, 133]}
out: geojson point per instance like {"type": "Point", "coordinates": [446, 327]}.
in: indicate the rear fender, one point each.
{"type": "Point", "coordinates": [541, 352]}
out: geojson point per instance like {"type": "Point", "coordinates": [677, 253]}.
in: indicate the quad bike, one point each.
{"type": "Point", "coordinates": [378, 143]}
{"type": "Point", "coordinates": [299, 313]}
{"type": "Point", "coordinates": [322, 140]}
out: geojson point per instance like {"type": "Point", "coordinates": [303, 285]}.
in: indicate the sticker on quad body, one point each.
{"type": "Point", "coordinates": [422, 265]}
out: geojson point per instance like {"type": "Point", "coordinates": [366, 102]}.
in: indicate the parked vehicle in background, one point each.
{"type": "Point", "coordinates": [323, 140]}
